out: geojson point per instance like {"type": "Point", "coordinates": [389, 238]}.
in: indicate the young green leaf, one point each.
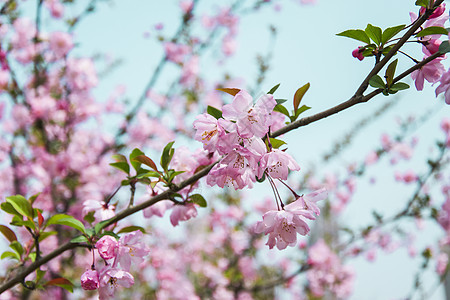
{"type": "Point", "coordinates": [13, 255]}
{"type": "Point", "coordinates": [299, 111]}
{"type": "Point", "coordinates": [122, 166]}
{"type": "Point", "coordinates": [8, 233]}
{"type": "Point", "coordinates": [7, 207]}
{"type": "Point", "coordinates": [231, 91]}
{"type": "Point", "coordinates": [146, 161]}
{"type": "Point", "coordinates": [276, 143]}
{"type": "Point", "coordinates": [198, 199]}
{"type": "Point", "coordinates": [356, 34]}
{"type": "Point", "coordinates": [280, 101]}
{"type": "Point", "coordinates": [33, 198]}
{"type": "Point", "coordinates": [44, 235]}
{"type": "Point", "coordinates": [390, 72]}
{"type": "Point", "coordinates": [216, 113]}
{"type": "Point", "coordinates": [79, 239]}
{"type": "Point", "coordinates": [119, 158]}
{"type": "Point", "coordinates": [375, 33]}
{"type": "Point", "coordinates": [131, 229]}
{"type": "Point", "coordinates": [390, 32]}
{"type": "Point", "coordinates": [17, 247]}
{"type": "Point", "coordinates": [62, 219]}
{"type": "Point", "coordinates": [444, 47]}
{"type": "Point", "coordinates": [298, 96]}
{"type": "Point", "coordinates": [377, 82]}
{"type": "Point", "coordinates": [281, 109]}
{"type": "Point", "coordinates": [423, 3]}
{"type": "Point", "coordinates": [398, 86]}
{"type": "Point", "coordinates": [135, 153]}
{"type": "Point", "coordinates": [273, 90]}
{"type": "Point", "coordinates": [21, 205]}
{"type": "Point", "coordinates": [167, 155]}
{"type": "Point", "coordinates": [432, 30]}
{"type": "Point", "coordinates": [61, 282]}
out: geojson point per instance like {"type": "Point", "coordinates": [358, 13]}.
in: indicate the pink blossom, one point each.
{"type": "Point", "coordinates": [56, 8]}
{"type": "Point", "coordinates": [131, 249]}
{"type": "Point", "coordinates": [110, 279]}
{"type": "Point", "coordinates": [60, 43]}
{"type": "Point", "coordinates": [158, 209]}
{"type": "Point", "coordinates": [182, 213]}
{"type": "Point", "coordinates": [444, 86]}
{"type": "Point", "coordinates": [107, 247]}
{"type": "Point", "coordinates": [431, 72]}
{"type": "Point", "coordinates": [102, 211]}
{"type": "Point", "coordinates": [89, 280]}
{"type": "Point", "coordinates": [186, 6]}
{"type": "Point", "coordinates": [81, 74]}
{"type": "Point", "coordinates": [176, 52]}
{"type": "Point", "coordinates": [441, 263]}
{"type": "Point", "coordinates": [251, 120]}
{"type": "Point", "coordinates": [283, 226]}
{"type": "Point", "coordinates": [277, 163]}
{"type": "Point", "coordinates": [208, 131]}
{"type": "Point", "coordinates": [4, 79]}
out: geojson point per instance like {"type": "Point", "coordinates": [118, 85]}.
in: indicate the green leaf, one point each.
{"type": "Point", "coordinates": [39, 275]}
{"type": "Point", "coordinates": [377, 82]}
{"type": "Point", "coordinates": [375, 33]}
{"type": "Point", "coordinates": [198, 199]}
{"type": "Point", "coordinates": [33, 198]}
{"type": "Point", "coordinates": [61, 282]}
{"type": "Point", "coordinates": [280, 101]}
{"type": "Point", "coordinates": [444, 47]}
{"type": "Point", "coordinates": [149, 174]}
{"type": "Point", "coordinates": [172, 174]}
{"type": "Point", "coordinates": [62, 219]}
{"type": "Point", "coordinates": [44, 235]}
{"type": "Point", "coordinates": [356, 34]}
{"type": "Point", "coordinates": [298, 96]}
{"type": "Point", "coordinates": [18, 221]}
{"type": "Point", "coordinates": [119, 158]}
{"type": "Point", "coordinates": [398, 86]}
{"type": "Point", "coordinates": [216, 113]}
{"type": "Point", "coordinates": [16, 246]}
{"type": "Point", "coordinates": [273, 90]}
{"type": "Point", "coordinates": [423, 3]}
{"type": "Point", "coordinates": [231, 91]}
{"type": "Point", "coordinates": [13, 255]}
{"type": "Point", "coordinates": [281, 109]}
{"type": "Point", "coordinates": [390, 72]}
{"type": "Point", "coordinates": [8, 233]}
{"type": "Point", "coordinates": [89, 217]}
{"type": "Point", "coordinates": [123, 166]}
{"type": "Point", "coordinates": [432, 30]}
{"type": "Point", "coordinates": [299, 111]}
{"type": "Point", "coordinates": [79, 239]}
{"type": "Point", "coordinates": [7, 207]}
{"type": "Point", "coordinates": [390, 32]}
{"type": "Point", "coordinates": [146, 161]}
{"type": "Point", "coordinates": [167, 155]}
{"type": "Point", "coordinates": [135, 153]}
{"type": "Point", "coordinates": [131, 229]}
{"type": "Point", "coordinates": [99, 226]}
{"type": "Point", "coordinates": [276, 143]}
{"type": "Point", "coordinates": [21, 205]}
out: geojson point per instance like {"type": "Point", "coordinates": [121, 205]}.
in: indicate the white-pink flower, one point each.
{"type": "Point", "coordinates": [131, 249]}
{"type": "Point", "coordinates": [111, 279]}
{"type": "Point", "coordinates": [252, 120]}
{"type": "Point", "coordinates": [277, 163]}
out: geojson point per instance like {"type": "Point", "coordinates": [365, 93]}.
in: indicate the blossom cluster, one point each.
{"type": "Point", "coordinates": [283, 225]}
{"type": "Point", "coordinates": [118, 257]}
{"type": "Point", "coordinates": [327, 273]}
{"type": "Point", "coordinates": [237, 136]}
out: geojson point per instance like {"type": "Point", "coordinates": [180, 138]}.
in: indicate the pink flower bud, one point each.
{"type": "Point", "coordinates": [89, 280]}
{"type": "Point", "coordinates": [437, 12]}
{"type": "Point", "coordinates": [107, 247]}
{"type": "Point", "coordinates": [357, 53]}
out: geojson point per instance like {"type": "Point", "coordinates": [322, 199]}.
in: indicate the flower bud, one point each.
{"type": "Point", "coordinates": [107, 247]}
{"type": "Point", "coordinates": [357, 53]}
{"type": "Point", "coordinates": [89, 280]}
